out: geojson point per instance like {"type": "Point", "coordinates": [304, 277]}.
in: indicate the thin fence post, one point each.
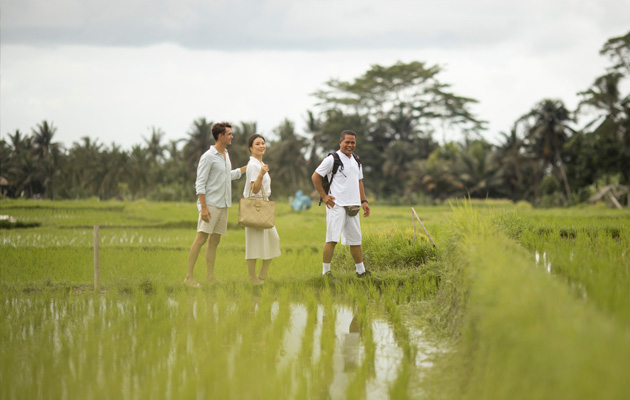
{"type": "Point", "coordinates": [421, 224]}
{"type": "Point", "coordinates": [97, 269]}
{"type": "Point", "coordinates": [414, 226]}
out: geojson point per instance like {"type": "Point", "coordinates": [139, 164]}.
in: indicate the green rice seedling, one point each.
{"type": "Point", "coordinates": [523, 334]}
{"type": "Point", "coordinates": [590, 253]}
{"type": "Point", "coordinates": [145, 334]}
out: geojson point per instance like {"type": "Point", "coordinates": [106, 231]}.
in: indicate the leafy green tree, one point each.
{"type": "Point", "coordinates": [155, 148]}
{"type": "Point", "coordinates": [403, 103]}
{"type": "Point", "coordinates": [199, 141]}
{"type": "Point", "coordinates": [47, 154]}
{"type": "Point", "coordinates": [138, 172]}
{"type": "Point", "coordinates": [81, 168]}
{"type": "Point", "coordinates": [286, 160]}
{"type": "Point", "coordinates": [618, 49]}
{"type": "Point", "coordinates": [602, 147]}
{"type": "Point", "coordinates": [515, 168]}
{"type": "Point", "coordinates": [478, 168]}
{"type": "Point", "coordinates": [23, 172]}
{"type": "Point", "coordinates": [113, 170]}
{"type": "Point", "coordinates": [437, 175]}
{"type": "Point", "coordinates": [546, 130]}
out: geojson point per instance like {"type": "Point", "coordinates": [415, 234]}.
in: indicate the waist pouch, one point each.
{"type": "Point", "coordinates": [351, 211]}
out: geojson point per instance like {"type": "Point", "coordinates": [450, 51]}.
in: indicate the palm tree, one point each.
{"type": "Point", "coordinates": [286, 158]}
{"type": "Point", "coordinates": [83, 169]}
{"type": "Point", "coordinates": [546, 131]}
{"type": "Point", "coordinates": [199, 141]}
{"type": "Point", "coordinates": [47, 153]}
{"type": "Point", "coordinates": [612, 120]}
{"type": "Point", "coordinates": [138, 172]}
{"type": "Point", "coordinates": [155, 148]}
{"type": "Point", "coordinates": [477, 161]}
{"type": "Point", "coordinates": [21, 169]}
{"type": "Point", "coordinates": [513, 167]}
{"type": "Point", "coordinates": [239, 153]}
{"type": "Point", "coordinates": [114, 171]}
{"type": "Point", "coordinates": [438, 175]}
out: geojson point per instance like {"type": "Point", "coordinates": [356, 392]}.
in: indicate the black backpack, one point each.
{"type": "Point", "coordinates": [337, 165]}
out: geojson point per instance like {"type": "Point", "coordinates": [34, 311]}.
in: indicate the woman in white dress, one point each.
{"type": "Point", "coordinates": [261, 244]}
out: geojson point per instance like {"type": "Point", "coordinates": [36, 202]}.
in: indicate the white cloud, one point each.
{"type": "Point", "coordinates": [112, 70]}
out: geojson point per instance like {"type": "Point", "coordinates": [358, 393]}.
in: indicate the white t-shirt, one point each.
{"type": "Point", "coordinates": [345, 185]}
{"type": "Point", "coordinates": [253, 169]}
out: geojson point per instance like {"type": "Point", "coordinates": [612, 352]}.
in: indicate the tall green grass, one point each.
{"type": "Point", "coordinates": [520, 332]}
{"type": "Point", "coordinates": [590, 253]}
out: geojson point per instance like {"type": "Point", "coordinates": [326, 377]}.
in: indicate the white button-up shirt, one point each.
{"type": "Point", "coordinates": [214, 178]}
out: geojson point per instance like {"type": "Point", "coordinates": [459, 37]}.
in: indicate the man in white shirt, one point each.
{"type": "Point", "coordinates": [345, 197]}
{"type": "Point", "coordinates": [214, 196]}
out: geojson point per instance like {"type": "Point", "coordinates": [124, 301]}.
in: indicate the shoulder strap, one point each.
{"type": "Point", "coordinates": [336, 162]}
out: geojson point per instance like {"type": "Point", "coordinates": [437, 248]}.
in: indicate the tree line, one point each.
{"type": "Point", "coordinates": [397, 111]}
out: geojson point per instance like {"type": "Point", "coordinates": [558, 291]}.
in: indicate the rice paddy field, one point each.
{"type": "Point", "coordinates": [512, 303]}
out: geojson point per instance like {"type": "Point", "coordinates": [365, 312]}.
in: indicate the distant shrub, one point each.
{"type": "Point", "coordinates": [6, 224]}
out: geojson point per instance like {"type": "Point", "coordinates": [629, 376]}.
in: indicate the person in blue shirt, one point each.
{"type": "Point", "coordinates": [214, 197]}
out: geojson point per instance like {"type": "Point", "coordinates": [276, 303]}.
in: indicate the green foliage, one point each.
{"type": "Point", "coordinates": [520, 331]}
{"type": "Point", "coordinates": [397, 111]}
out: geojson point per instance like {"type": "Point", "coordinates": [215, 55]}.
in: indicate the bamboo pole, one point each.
{"type": "Point", "coordinates": [414, 226]}
{"type": "Point", "coordinates": [421, 224]}
{"type": "Point", "coordinates": [97, 270]}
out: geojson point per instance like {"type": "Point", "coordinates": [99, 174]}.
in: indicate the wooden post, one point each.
{"type": "Point", "coordinates": [414, 226]}
{"type": "Point", "coordinates": [421, 224]}
{"type": "Point", "coordinates": [97, 270]}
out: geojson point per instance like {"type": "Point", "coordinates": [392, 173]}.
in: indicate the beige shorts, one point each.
{"type": "Point", "coordinates": [218, 221]}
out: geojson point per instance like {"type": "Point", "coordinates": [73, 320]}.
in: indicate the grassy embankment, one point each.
{"type": "Point", "coordinates": [553, 329]}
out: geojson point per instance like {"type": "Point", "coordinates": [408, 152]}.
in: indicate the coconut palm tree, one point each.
{"type": "Point", "coordinates": [199, 141]}
{"type": "Point", "coordinates": [286, 159]}
{"type": "Point", "coordinates": [84, 161]}
{"type": "Point", "coordinates": [155, 148]}
{"type": "Point", "coordinates": [546, 130]}
{"type": "Point", "coordinates": [47, 154]}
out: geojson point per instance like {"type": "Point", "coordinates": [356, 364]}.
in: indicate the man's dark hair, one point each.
{"type": "Point", "coordinates": [219, 128]}
{"type": "Point", "coordinates": [250, 141]}
{"type": "Point", "coordinates": [347, 132]}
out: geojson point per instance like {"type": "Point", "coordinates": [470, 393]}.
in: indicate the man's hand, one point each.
{"type": "Point", "coordinates": [329, 201]}
{"type": "Point", "coordinates": [366, 209]}
{"type": "Point", "coordinates": [243, 169]}
{"type": "Point", "coordinates": [205, 214]}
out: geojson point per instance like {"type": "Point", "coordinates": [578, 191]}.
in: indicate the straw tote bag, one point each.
{"type": "Point", "coordinates": [256, 213]}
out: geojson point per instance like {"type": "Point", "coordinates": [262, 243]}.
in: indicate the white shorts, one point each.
{"type": "Point", "coordinates": [218, 221]}
{"type": "Point", "coordinates": [339, 224]}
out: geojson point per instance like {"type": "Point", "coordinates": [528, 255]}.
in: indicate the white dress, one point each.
{"type": "Point", "coordinates": [259, 243]}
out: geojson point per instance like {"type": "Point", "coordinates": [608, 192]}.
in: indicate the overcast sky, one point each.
{"type": "Point", "coordinates": [112, 70]}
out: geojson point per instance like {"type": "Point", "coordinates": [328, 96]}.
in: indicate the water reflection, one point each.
{"type": "Point", "coordinates": [210, 345]}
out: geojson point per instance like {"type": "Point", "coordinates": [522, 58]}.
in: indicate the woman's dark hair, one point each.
{"type": "Point", "coordinates": [250, 141]}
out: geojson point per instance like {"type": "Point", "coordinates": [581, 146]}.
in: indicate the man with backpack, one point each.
{"type": "Point", "coordinates": [344, 197]}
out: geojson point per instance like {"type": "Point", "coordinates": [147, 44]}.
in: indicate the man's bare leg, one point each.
{"type": "Point", "coordinates": [329, 250]}
{"type": "Point", "coordinates": [198, 243]}
{"type": "Point", "coordinates": [356, 253]}
{"type": "Point", "coordinates": [211, 255]}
